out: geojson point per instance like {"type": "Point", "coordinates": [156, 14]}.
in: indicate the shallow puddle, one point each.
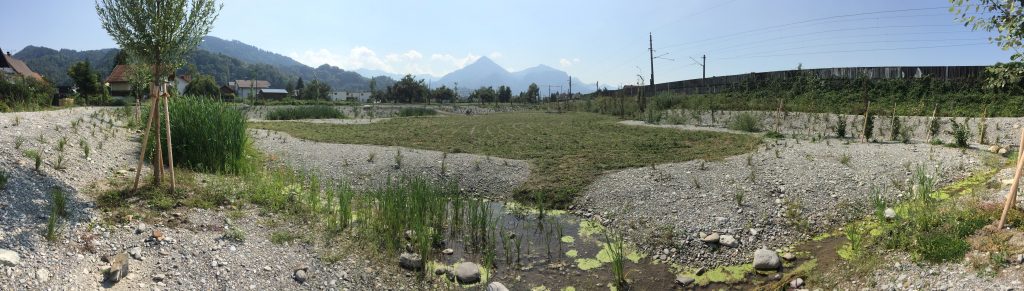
{"type": "Point", "coordinates": [556, 251]}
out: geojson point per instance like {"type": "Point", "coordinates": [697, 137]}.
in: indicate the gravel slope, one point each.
{"type": "Point", "coordinates": [490, 177]}
{"type": "Point", "coordinates": [194, 254]}
{"type": "Point", "coordinates": [667, 207]}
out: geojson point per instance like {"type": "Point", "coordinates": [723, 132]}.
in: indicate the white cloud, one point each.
{"type": "Point", "coordinates": [412, 55]}
{"type": "Point", "coordinates": [409, 62]}
{"type": "Point", "coordinates": [564, 62]}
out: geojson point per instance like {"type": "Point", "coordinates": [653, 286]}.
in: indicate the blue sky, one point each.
{"type": "Point", "coordinates": [596, 41]}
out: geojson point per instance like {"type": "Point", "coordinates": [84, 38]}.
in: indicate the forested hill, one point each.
{"type": "Point", "coordinates": [224, 60]}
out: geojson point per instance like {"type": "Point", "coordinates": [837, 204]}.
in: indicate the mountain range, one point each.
{"type": "Point", "coordinates": [229, 60]}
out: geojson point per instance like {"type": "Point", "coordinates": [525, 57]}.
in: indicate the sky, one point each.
{"type": "Point", "coordinates": [595, 41]}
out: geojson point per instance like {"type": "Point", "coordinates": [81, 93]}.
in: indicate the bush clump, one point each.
{"type": "Point", "coordinates": [745, 122]}
{"type": "Point", "coordinates": [305, 112]}
{"type": "Point", "coordinates": [416, 111]}
{"type": "Point", "coordinates": [207, 135]}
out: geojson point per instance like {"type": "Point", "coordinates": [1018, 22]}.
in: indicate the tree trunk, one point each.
{"type": "Point", "coordinates": [158, 163]}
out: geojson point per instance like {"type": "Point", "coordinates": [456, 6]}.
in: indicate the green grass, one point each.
{"type": "Point", "coordinates": [305, 112]}
{"type": "Point", "coordinates": [416, 111]}
{"type": "Point", "coordinates": [208, 135]}
{"type": "Point", "coordinates": [3, 179]}
{"type": "Point", "coordinates": [566, 151]}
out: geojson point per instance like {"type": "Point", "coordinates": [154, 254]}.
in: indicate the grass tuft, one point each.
{"type": "Point", "coordinates": [305, 112]}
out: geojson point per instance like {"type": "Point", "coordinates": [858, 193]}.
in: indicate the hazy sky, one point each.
{"type": "Point", "coordinates": [603, 41]}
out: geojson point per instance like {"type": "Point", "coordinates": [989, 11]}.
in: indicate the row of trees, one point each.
{"type": "Point", "coordinates": [410, 90]}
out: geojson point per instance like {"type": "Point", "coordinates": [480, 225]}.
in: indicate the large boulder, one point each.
{"type": "Point", "coordinates": [410, 261]}
{"type": "Point", "coordinates": [467, 273]}
{"type": "Point", "coordinates": [9, 258]}
{"type": "Point", "coordinates": [766, 260]}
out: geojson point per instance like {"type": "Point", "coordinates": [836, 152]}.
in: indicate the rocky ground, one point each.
{"type": "Point", "coordinates": [780, 194]}
{"type": "Point", "coordinates": [366, 166]}
{"type": "Point", "coordinates": [185, 249]}
{"type": "Point", "coordinates": [998, 130]}
{"type": "Point", "coordinates": [698, 213]}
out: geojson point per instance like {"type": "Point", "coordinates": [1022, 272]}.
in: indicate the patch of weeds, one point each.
{"type": "Point", "coordinates": [398, 159]}
{"type": "Point", "coordinates": [774, 134]}
{"type": "Point", "coordinates": [845, 159]}
{"type": "Point", "coordinates": [3, 179]}
{"type": "Point", "coordinates": [85, 147]}
{"type": "Point", "coordinates": [794, 215]}
{"type": "Point", "coordinates": [59, 165]}
{"type": "Point", "coordinates": [61, 144]}
{"type": "Point", "coordinates": [745, 122]}
{"type": "Point", "coordinates": [283, 237]}
{"type": "Point", "coordinates": [371, 157]}
{"type": "Point", "coordinates": [960, 133]}
{"type": "Point", "coordinates": [58, 211]}
{"type": "Point", "coordinates": [738, 197]}
{"type": "Point", "coordinates": [617, 253]}
{"type": "Point", "coordinates": [869, 125]}
{"type": "Point", "coordinates": [35, 156]}
{"type": "Point", "coordinates": [18, 142]}
{"type": "Point", "coordinates": [234, 234]}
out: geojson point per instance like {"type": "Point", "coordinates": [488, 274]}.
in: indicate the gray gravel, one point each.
{"type": "Point", "coordinates": [999, 130]}
{"type": "Point", "coordinates": [668, 206]}
{"type": "Point", "coordinates": [194, 255]}
{"type": "Point", "coordinates": [490, 177]}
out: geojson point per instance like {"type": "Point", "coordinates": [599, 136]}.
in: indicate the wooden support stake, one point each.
{"type": "Point", "coordinates": [1011, 198]}
{"type": "Point", "coordinates": [167, 122]}
{"type": "Point", "coordinates": [145, 142]}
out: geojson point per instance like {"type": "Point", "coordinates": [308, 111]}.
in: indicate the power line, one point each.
{"type": "Point", "coordinates": [854, 51]}
{"type": "Point", "coordinates": [808, 21]}
{"type": "Point", "coordinates": [856, 43]}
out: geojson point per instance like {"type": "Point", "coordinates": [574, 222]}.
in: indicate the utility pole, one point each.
{"type": "Point", "coordinates": [650, 48]}
{"type": "Point", "coordinates": [703, 69]}
{"type": "Point", "coordinates": [570, 86]}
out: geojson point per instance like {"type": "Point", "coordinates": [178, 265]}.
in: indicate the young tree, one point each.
{"type": "Point", "coordinates": [533, 93]}
{"type": "Point", "coordinates": [203, 85]}
{"type": "Point", "coordinates": [443, 93]}
{"type": "Point", "coordinates": [87, 81]}
{"type": "Point", "coordinates": [410, 90]}
{"type": "Point", "coordinates": [300, 85]}
{"type": "Point", "coordinates": [160, 33]}
{"type": "Point", "coordinates": [1006, 18]}
{"type": "Point", "coordinates": [316, 90]}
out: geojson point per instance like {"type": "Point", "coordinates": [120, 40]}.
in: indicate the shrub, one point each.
{"type": "Point", "coordinates": [305, 112]}
{"type": "Point", "coordinates": [416, 111]}
{"type": "Point", "coordinates": [934, 126]}
{"type": "Point", "coordinates": [841, 127]}
{"type": "Point", "coordinates": [745, 122]}
{"type": "Point", "coordinates": [207, 135]}
{"type": "Point", "coordinates": [960, 133]}
{"type": "Point", "coordinates": [869, 126]}
{"type": "Point", "coordinates": [774, 134]}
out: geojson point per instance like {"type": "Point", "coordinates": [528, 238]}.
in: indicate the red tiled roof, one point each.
{"type": "Point", "coordinates": [20, 67]}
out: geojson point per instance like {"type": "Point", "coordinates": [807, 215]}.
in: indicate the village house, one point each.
{"type": "Point", "coordinates": [9, 66]}
{"type": "Point", "coordinates": [350, 96]}
{"type": "Point", "coordinates": [121, 87]}
{"type": "Point", "coordinates": [247, 88]}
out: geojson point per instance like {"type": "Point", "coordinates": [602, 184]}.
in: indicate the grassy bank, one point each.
{"type": "Point", "coordinates": [566, 151]}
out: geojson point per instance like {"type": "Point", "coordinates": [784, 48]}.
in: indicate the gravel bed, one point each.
{"type": "Point", "coordinates": [666, 208]}
{"type": "Point", "coordinates": [998, 130]}
{"type": "Point", "coordinates": [193, 255]}
{"type": "Point", "coordinates": [367, 166]}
